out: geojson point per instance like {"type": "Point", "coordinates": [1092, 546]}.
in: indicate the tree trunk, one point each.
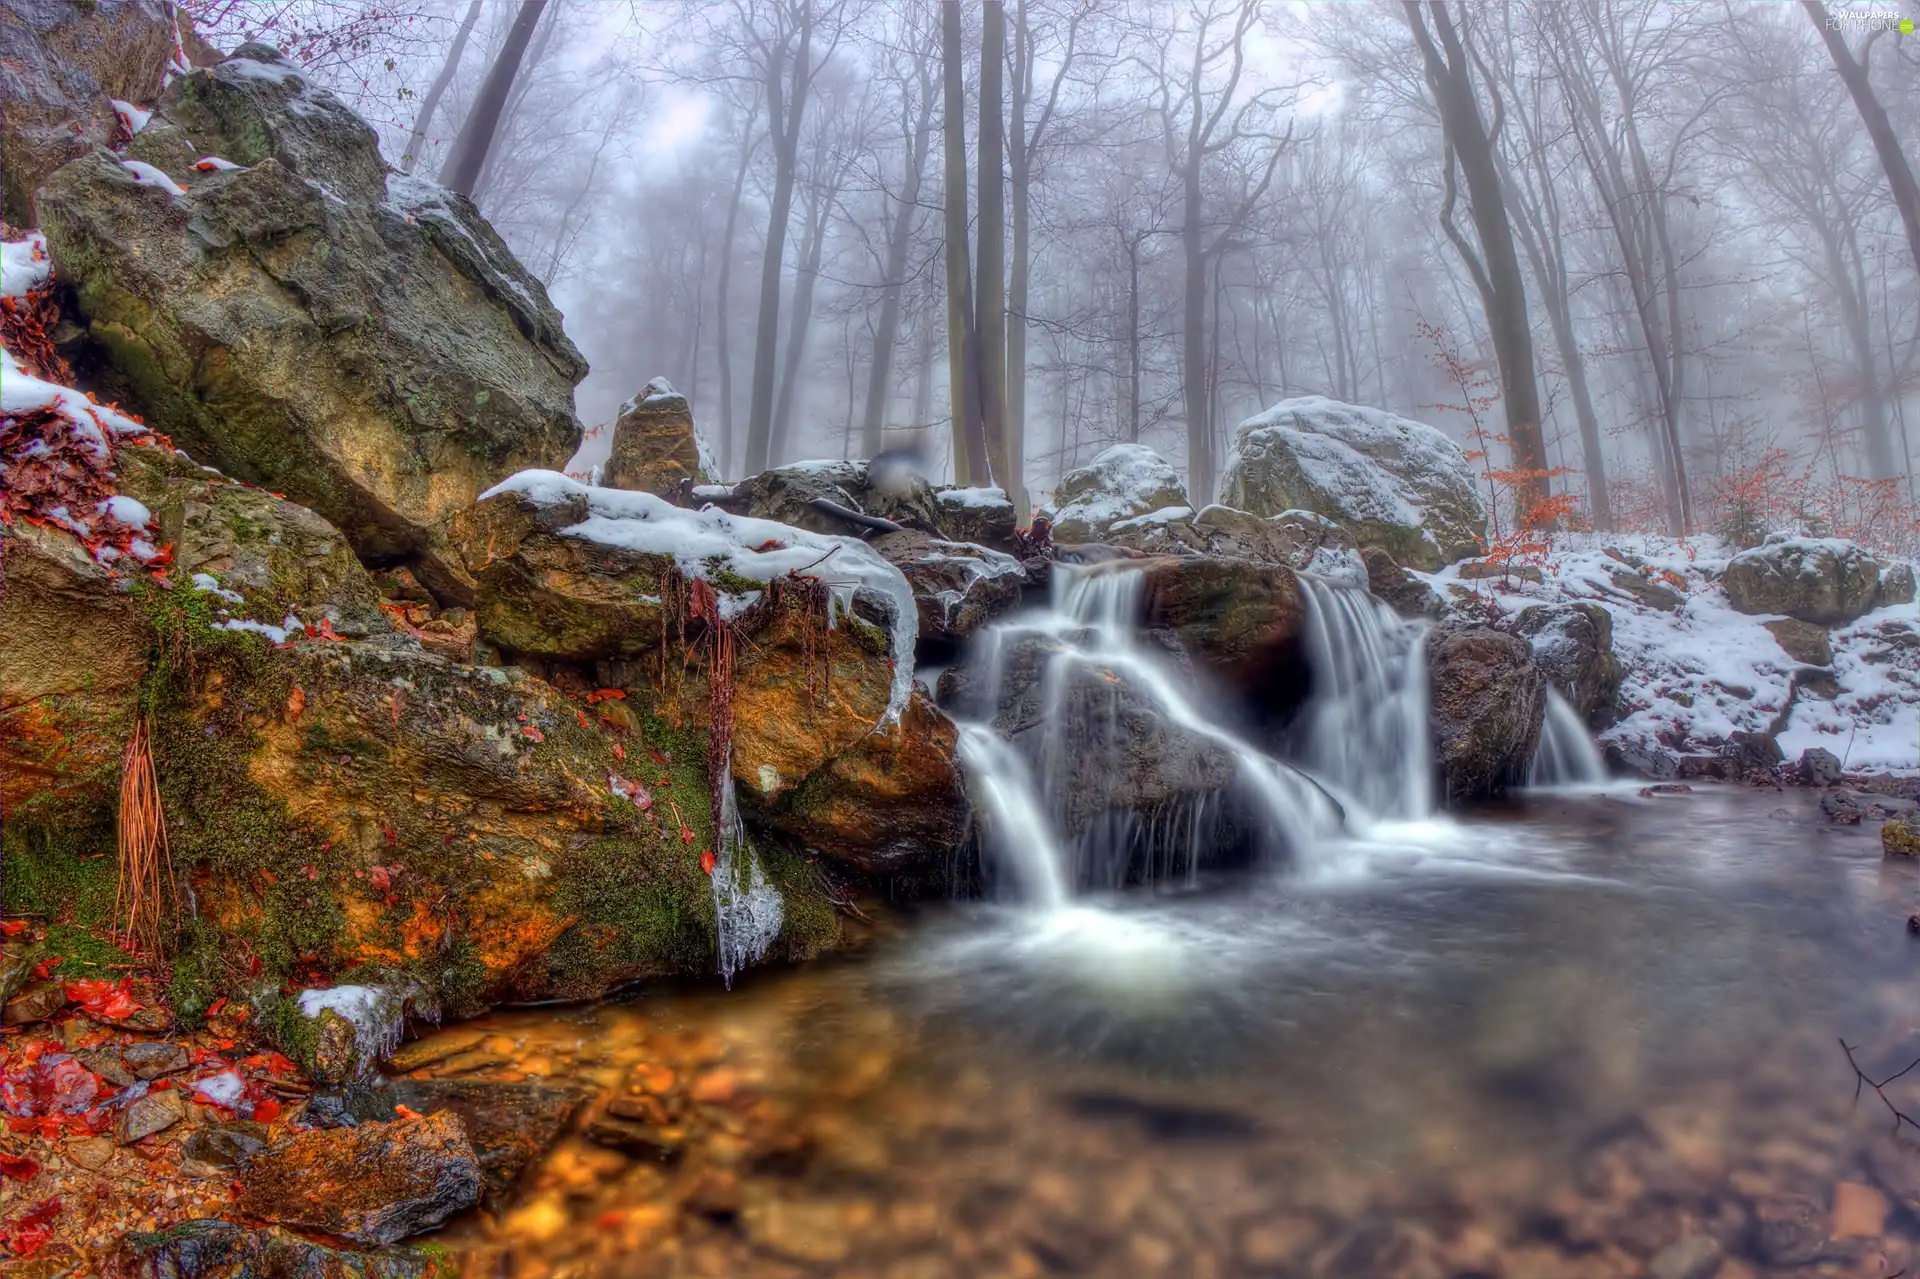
{"type": "Point", "coordinates": [963, 381]}
{"type": "Point", "coordinates": [417, 140]}
{"type": "Point", "coordinates": [990, 288]}
{"type": "Point", "coordinates": [1193, 345]}
{"type": "Point", "coordinates": [899, 244]}
{"type": "Point", "coordinates": [1133, 339]}
{"type": "Point", "coordinates": [783, 122]}
{"type": "Point", "coordinates": [797, 325]}
{"type": "Point", "coordinates": [1020, 178]}
{"type": "Point", "coordinates": [470, 149]}
{"type": "Point", "coordinates": [1502, 288]}
{"type": "Point", "coordinates": [1886, 143]}
{"type": "Point", "coordinates": [723, 302]}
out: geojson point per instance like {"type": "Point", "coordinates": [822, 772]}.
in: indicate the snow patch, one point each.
{"type": "Point", "coordinates": [224, 1089]}
{"type": "Point", "coordinates": [133, 117]}
{"type": "Point", "coordinates": [211, 585]}
{"type": "Point", "coordinates": [24, 265]}
{"type": "Point", "coordinates": [1121, 482]}
{"type": "Point", "coordinates": [378, 1015]}
{"type": "Point", "coordinates": [984, 499]}
{"type": "Point", "coordinates": [209, 163]}
{"type": "Point", "coordinates": [147, 175]}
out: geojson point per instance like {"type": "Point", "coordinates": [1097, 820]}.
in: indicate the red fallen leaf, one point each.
{"type": "Point", "coordinates": [20, 1168]}
{"type": "Point", "coordinates": [326, 629]}
{"type": "Point", "coordinates": [606, 695]}
{"type": "Point", "coordinates": [686, 836]}
{"type": "Point", "coordinates": [214, 1008]}
{"type": "Point", "coordinates": [253, 965]}
{"type": "Point", "coordinates": [391, 839]}
{"type": "Point", "coordinates": [296, 702]}
{"type": "Point", "coordinates": [163, 560]}
{"type": "Point", "coordinates": [619, 751]}
{"type": "Point", "coordinates": [771, 544]}
{"type": "Point", "coordinates": [379, 879]}
{"type": "Point", "coordinates": [270, 877]}
{"type": "Point", "coordinates": [407, 1112]}
{"type": "Point", "coordinates": [265, 1112]}
{"type": "Point", "coordinates": [521, 718]}
{"type": "Point", "coordinates": [13, 927]}
{"type": "Point", "coordinates": [706, 861]}
{"type": "Point", "coordinates": [658, 758]}
{"type": "Point", "coordinates": [582, 717]}
{"type": "Point", "coordinates": [308, 628]}
{"type": "Point", "coordinates": [103, 999]}
{"type": "Point", "coordinates": [533, 734]}
{"type": "Point", "coordinates": [44, 969]}
{"type": "Point", "coordinates": [311, 873]}
{"type": "Point", "coordinates": [30, 1231]}
{"type": "Point", "coordinates": [161, 580]}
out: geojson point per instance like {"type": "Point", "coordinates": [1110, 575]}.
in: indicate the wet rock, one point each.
{"type": "Point", "coordinates": [213, 1249]}
{"type": "Point", "coordinates": [893, 804]}
{"type": "Point", "coordinates": [1406, 594]}
{"type": "Point", "coordinates": [1242, 621]}
{"type": "Point", "coordinates": [218, 1149]}
{"type": "Point", "coordinates": [1639, 758]}
{"type": "Point", "coordinates": [1299, 540]}
{"type": "Point", "coordinates": [983, 516]}
{"type": "Point", "coordinates": [509, 1125]}
{"type": "Point", "coordinates": [154, 1059]}
{"type": "Point", "coordinates": [957, 587]}
{"type": "Point", "coordinates": [655, 444]}
{"type": "Point", "coordinates": [388, 322]}
{"type": "Point", "coordinates": [1896, 585]}
{"type": "Point", "coordinates": [1803, 641]}
{"type": "Point", "coordinates": [1573, 646]}
{"type": "Point", "coordinates": [1827, 581]}
{"type": "Point", "coordinates": [434, 1048]}
{"type": "Point", "coordinates": [65, 59]}
{"type": "Point", "coordinates": [155, 1112]}
{"type": "Point", "coordinates": [17, 963]}
{"type": "Point", "coordinates": [336, 1057]}
{"type": "Point", "coordinates": [35, 1001]}
{"type": "Point", "coordinates": [1394, 483]}
{"type": "Point", "coordinates": [1694, 1257]}
{"type": "Point", "coordinates": [1789, 1230]}
{"type": "Point", "coordinates": [108, 1065]}
{"type": "Point", "coordinates": [1716, 767]}
{"type": "Point", "coordinates": [1123, 482]}
{"type": "Point", "coordinates": [1900, 837]}
{"type": "Point", "coordinates": [1839, 808]}
{"type": "Point", "coordinates": [1488, 702]}
{"type": "Point", "coordinates": [786, 495]}
{"type": "Point", "coordinates": [1818, 766]}
{"type": "Point", "coordinates": [373, 1184]}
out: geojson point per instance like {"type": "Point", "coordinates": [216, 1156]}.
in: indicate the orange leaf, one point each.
{"type": "Point", "coordinates": [296, 702]}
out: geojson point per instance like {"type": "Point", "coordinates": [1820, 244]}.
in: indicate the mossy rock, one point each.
{"type": "Point", "coordinates": [1900, 837]}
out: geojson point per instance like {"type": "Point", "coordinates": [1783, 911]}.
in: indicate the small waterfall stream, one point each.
{"type": "Point", "coordinates": [1567, 755]}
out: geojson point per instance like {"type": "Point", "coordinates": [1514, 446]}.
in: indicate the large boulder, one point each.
{"type": "Point", "coordinates": [794, 494]}
{"type": "Point", "coordinates": [1239, 620]}
{"type": "Point", "coordinates": [958, 587]}
{"type": "Point", "coordinates": [655, 444]}
{"type": "Point", "coordinates": [65, 61]}
{"type": "Point", "coordinates": [1394, 483]}
{"type": "Point", "coordinates": [1896, 585]}
{"type": "Point", "coordinates": [1488, 702]}
{"type": "Point", "coordinates": [984, 516]}
{"type": "Point", "coordinates": [1573, 646]}
{"type": "Point", "coordinates": [374, 1183]}
{"type": "Point", "coordinates": [1828, 581]}
{"type": "Point", "coordinates": [364, 344]}
{"type": "Point", "coordinates": [1123, 482]}
{"type": "Point", "coordinates": [1297, 540]}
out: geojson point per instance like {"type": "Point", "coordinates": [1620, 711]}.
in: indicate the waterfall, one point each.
{"type": "Point", "coordinates": [747, 910]}
{"type": "Point", "coordinates": [1365, 729]}
{"type": "Point", "coordinates": [1091, 626]}
{"type": "Point", "coordinates": [1566, 755]}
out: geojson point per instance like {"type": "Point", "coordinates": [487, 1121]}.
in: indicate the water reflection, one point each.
{"type": "Point", "coordinates": [1595, 1037]}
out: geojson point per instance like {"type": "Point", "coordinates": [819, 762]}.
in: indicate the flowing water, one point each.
{"type": "Point", "coordinates": [1567, 755]}
{"type": "Point", "coordinates": [1588, 1035]}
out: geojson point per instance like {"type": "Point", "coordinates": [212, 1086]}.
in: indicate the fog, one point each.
{"type": "Point", "coordinates": [1646, 260]}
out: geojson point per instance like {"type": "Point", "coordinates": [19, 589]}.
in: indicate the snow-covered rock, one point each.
{"type": "Point", "coordinates": [985, 516]}
{"type": "Point", "coordinates": [1826, 580]}
{"type": "Point", "coordinates": [1124, 482]}
{"type": "Point", "coordinates": [1695, 674]}
{"type": "Point", "coordinates": [1394, 483]}
{"type": "Point", "coordinates": [656, 444]}
{"type": "Point", "coordinates": [1299, 540]}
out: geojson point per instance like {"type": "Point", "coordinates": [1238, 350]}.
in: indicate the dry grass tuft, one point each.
{"type": "Point", "coordinates": [145, 902]}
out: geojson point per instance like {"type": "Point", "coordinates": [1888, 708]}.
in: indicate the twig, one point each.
{"type": "Point", "coordinates": [1862, 1080]}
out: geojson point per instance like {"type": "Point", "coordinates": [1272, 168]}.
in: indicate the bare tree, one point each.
{"type": "Point", "coordinates": [470, 148]}
{"type": "Point", "coordinates": [1886, 143]}
{"type": "Point", "coordinates": [963, 340]}
{"type": "Point", "coordinates": [417, 140]}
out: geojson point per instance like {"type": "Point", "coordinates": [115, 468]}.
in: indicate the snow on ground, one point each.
{"type": "Point", "coordinates": [1702, 671]}
{"type": "Point", "coordinates": [759, 550]}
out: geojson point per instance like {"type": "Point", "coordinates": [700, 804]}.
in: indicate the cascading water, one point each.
{"type": "Point", "coordinates": [1089, 632]}
{"type": "Point", "coordinates": [1365, 727]}
{"type": "Point", "coordinates": [1566, 755]}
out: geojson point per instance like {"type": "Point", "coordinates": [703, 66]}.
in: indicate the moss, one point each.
{"type": "Point", "coordinates": [810, 926]}
{"type": "Point", "coordinates": [196, 968]}
{"type": "Point", "coordinates": [296, 1034]}
{"type": "Point", "coordinates": [69, 877]}
{"type": "Point", "coordinates": [86, 953]}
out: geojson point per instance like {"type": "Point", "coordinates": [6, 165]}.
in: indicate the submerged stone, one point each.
{"type": "Point", "coordinates": [374, 1184]}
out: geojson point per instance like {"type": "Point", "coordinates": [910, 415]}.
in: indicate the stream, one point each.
{"type": "Point", "coordinates": [1583, 1035]}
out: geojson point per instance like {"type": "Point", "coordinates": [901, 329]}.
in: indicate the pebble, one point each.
{"type": "Point", "coordinates": [155, 1112]}
{"type": "Point", "coordinates": [152, 1060]}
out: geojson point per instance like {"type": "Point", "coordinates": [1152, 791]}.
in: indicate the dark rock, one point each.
{"type": "Point", "coordinates": [1826, 581]}
{"type": "Point", "coordinates": [375, 1183]}
{"type": "Point", "coordinates": [1406, 594]}
{"type": "Point", "coordinates": [155, 1112]}
{"type": "Point", "coordinates": [64, 60]}
{"type": "Point", "coordinates": [1803, 641]}
{"type": "Point", "coordinates": [655, 445]}
{"type": "Point", "coordinates": [1838, 807]}
{"type": "Point", "coordinates": [387, 321]}
{"type": "Point", "coordinates": [1753, 752]}
{"type": "Point", "coordinates": [1244, 622]}
{"type": "Point", "coordinates": [1573, 646]}
{"type": "Point", "coordinates": [1896, 585]}
{"type": "Point", "coordinates": [1709, 768]}
{"type": "Point", "coordinates": [509, 1125]}
{"type": "Point", "coordinates": [786, 495]}
{"type": "Point", "coordinates": [1790, 1230]}
{"type": "Point", "coordinates": [1488, 702]}
{"type": "Point", "coordinates": [154, 1059]}
{"type": "Point", "coordinates": [1665, 788]}
{"type": "Point", "coordinates": [1819, 766]}
{"type": "Point", "coordinates": [1636, 757]}
{"type": "Point", "coordinates": [17, 962]}
{"type": "Point", "coordinates": [220, 1148]}
{"type": "Point", "coordinates": [212, 1249]}
{"type": "Point", "coordinates": [1495, 571]}
{"type": "Point", "coordinates": [107, 1064]}
{"type": "Point", "coordinates": [958, 587]}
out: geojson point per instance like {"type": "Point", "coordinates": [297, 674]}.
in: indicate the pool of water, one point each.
{"type": "Point", "coordinates": [1585, 1036]}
